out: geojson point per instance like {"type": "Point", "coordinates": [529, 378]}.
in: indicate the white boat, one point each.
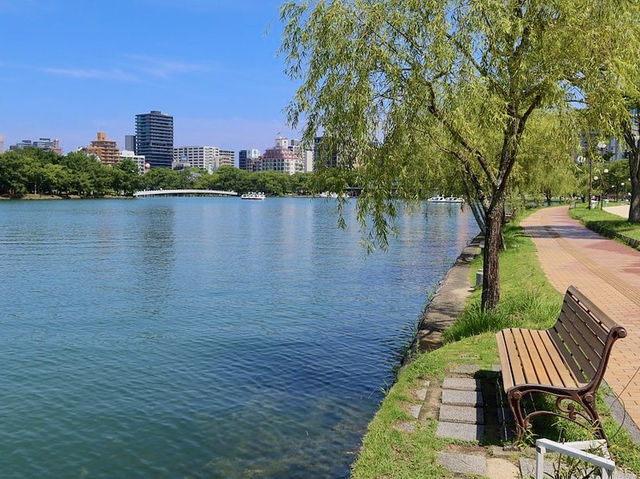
{"type": "Point", "coordinates": [252, 195]}
{"type": "Point", "coordinates": [445, 199]}
{"type": "Point", "coordinates": [327, 194]}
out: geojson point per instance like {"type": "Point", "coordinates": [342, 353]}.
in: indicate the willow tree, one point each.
{"type": "Point", "coordinates": [380, 78]}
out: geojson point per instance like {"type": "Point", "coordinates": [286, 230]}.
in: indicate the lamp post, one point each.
{"type": "Point", "coordinates": [604, 184]}
{"type": "Point", "coordinates": [595, 178]}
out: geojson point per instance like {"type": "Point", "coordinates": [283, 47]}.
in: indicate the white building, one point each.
{"type": "Point", "coordinates": [307, 159]}
{"type": "Point", "coordinates": [209, 158]}
{"type": "Point", "coordinates": [1, 144]}
{"type": "Point", "coordinates": [139, 160]}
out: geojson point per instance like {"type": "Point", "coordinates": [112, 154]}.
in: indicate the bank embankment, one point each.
{"type": "Point", "coordinates": [449, 300]}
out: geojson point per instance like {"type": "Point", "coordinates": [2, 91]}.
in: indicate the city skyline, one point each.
{"type": "Point", "coordinates": [88, 68]}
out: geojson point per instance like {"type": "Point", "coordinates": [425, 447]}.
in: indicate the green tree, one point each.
{"type": "Point", "coordinates": [389, 81]}
{"type": "Point", "coordinates": [126, 178]}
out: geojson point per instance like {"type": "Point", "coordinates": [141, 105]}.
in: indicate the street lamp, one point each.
{"type": "Point", "coordinates": [603, 186]}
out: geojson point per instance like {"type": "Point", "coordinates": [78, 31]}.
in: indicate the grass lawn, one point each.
{"type": "Point", "coordinates": [599, 220]}
{"type": "Point", "coordinates": [527, 300]}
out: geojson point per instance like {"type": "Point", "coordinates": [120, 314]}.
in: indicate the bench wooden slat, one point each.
{"type": "Point", "coordinates": [586, 320]}
{"type": "Point", "coordinates": [551, 375]}
{"type": "Point", "coordinates": [507, 374]}
{"type": "Point", "coordinates": [529, 363]}
{"type": "Point", "coordinates": [585, 340]}
{"type": "Point", "coordinates": [601, 316]}
{"type": "Point", "coordinates": [567, 333]}
{"type": "Point", "coordinates": [514, 358]}
{"type": "Point", "coordinates": [564, 374]}
{"type": "Point", "coordinates": [567, 357]}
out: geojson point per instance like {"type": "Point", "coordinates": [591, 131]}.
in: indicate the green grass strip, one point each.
{"type": "Point", "coordinates": [605, 223]}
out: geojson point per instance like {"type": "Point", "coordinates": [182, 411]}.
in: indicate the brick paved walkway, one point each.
{"type": "Point", "coordinates": [608, 273]}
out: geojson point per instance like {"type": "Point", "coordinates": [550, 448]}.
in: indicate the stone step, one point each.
{"type": "Point", "coordinates": [462, 384]}
{"type": "Point", "coordinates": [460, 431]}
{"type": "Point", "coordinates": [463, 463]}
{"type": "Point", "coordinates": [462, 414]}
{"type": "Point", "coordinates": [462, 398]}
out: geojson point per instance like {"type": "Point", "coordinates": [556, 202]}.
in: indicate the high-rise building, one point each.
{"type": "Point", "coordinates": [130, 143]}
{"type": "Point", "coordinates": [106, 150]}
{"type": "Point", "coordinates": [283, 157]}
{"type": "Point", "coordinates": [41, 143]}
{"type": "Point", "coordinates": [1, 144]}
{"type": "Point", "coordinates": [154, 138]}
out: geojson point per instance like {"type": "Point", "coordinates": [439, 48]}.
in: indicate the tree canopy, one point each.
{"type": "Point", "coordinates": [408, 89]}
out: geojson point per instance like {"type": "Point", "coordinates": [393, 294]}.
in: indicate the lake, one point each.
{"type": "Point", "coordinates": [203, 337]}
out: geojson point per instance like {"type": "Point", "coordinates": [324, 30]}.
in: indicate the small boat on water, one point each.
{"type": "Point", "coordinates": [327, 194]}
{"type": "Point", "coordinates": [252, 195]}
{"type": "Point", "coordinates": [445, 199]}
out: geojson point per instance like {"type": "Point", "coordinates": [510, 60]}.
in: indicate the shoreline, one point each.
{"type": "Point", "coordinates": [448, 302]}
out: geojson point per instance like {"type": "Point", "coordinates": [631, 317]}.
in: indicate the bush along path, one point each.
{"type": "Point", "coordinates": [446, 415]}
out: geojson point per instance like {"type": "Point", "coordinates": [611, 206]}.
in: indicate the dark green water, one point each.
{"type": "Point", "coordinates": [202, 337]}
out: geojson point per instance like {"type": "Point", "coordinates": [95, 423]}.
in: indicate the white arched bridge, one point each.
{"type": "Point", "coordinates": [141, 194]}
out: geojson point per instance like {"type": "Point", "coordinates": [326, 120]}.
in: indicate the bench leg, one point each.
{"type": "Point", "coordinates": [589, 404]}
{"type": "Point", "coordinates": [514, 398]}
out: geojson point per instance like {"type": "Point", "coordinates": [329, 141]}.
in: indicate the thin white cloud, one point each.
{"type": "Point", "coordinates": [91, 73]}
{"type": "Point", "coordinates": [164, 67]}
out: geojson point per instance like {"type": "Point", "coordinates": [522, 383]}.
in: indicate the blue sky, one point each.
{"type": "Point", "coordinates": [70, 68]}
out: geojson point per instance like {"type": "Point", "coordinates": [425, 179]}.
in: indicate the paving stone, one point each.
{"type": "Point", "coordinates": [467, 414]}
{"type": "Point", "coordinates": [461, 398]}
{"type": "Point", "coordinates": [463, 463]}
{"type": "Point", "coordinates": [460, 431]}
{"type": "Point", "coordinates": [421, 394]}
{"type": "Point", "coordinates": [528, 468]}
{"type": "Point", "coordinates": [466, 369]}
{"type": "Point", "coordinates": [414, 410]}
{"type": "Point", "coordinates": [501, 469]}
{"type": "Point", "coordinates": [499, 451]}
{"type": "Point", "coordinates": [462, 384]}
{"type": "Point", "coordinates": [496, 368]}
{"type": "Point", "coordinates": [406, 426]}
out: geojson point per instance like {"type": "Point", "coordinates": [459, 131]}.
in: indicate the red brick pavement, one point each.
{"type": "Point", "coordinates": [608, 273]}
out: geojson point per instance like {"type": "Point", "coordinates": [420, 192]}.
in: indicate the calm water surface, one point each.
{"type": "Point", "coordinates": [202, 337]}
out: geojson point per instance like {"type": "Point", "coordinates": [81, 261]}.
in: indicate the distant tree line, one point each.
{"type": "Point", "coordinates": [35, 171]}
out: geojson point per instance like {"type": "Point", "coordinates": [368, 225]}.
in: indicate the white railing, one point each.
{"type": "Point", "coordinates": [576, 450]}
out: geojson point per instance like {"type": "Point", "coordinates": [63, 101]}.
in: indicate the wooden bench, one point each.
{"type": "Point", "coordinates": [567, 361]}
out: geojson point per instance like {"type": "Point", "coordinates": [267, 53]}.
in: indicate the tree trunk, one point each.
{"type": "Point", "coordinates": [491, 266]}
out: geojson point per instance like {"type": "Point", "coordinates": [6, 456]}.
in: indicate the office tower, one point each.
{"type": "Point", "coordinates": [1, 144]}
{"type": "Point", "coordinates": [154, 138]}
{"type": "Point", "coordinates": [130, 143]}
